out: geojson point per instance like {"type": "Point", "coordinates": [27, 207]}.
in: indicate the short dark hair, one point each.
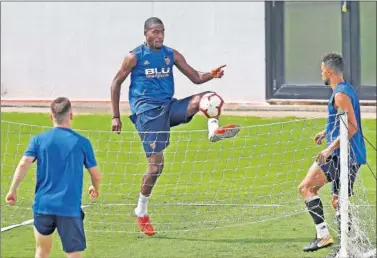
{"type": "Point", "coordinates": [334, 61]}
{"type": "Point", "coordinates": [151, 21]}
{"type": "Point", "coordinates": [60, 108]}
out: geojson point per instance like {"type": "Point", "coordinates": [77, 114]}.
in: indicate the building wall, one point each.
{"type": "Point", "coordinates": [75, 49]}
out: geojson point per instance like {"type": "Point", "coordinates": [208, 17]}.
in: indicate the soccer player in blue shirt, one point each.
{"type": "Point", "coordinates": [153, 107]}
{"type": "Point", "coordinates": [327, 166]}
{"type": "Point", "coordinates": [61, 154]}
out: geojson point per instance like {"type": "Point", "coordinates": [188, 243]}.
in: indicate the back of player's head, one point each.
{"type": "Point", "coordinates": [60, 109]}
{"type": "Point", "coordinates": [334, 62]}
{"type": "Point", "coordinates": [152, 21]}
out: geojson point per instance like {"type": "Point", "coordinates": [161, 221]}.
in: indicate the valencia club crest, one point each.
{"type": "Point", "coordinates": [167, 60]}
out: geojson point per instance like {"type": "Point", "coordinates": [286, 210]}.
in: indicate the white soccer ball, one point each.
{"type": "Point", "coordinates": [211, 104]}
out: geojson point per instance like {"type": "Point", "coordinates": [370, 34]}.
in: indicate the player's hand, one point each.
{"type": "Point", "coordinates": [218, 72]}
{"type": "Point", "coordinates": [116, 125]}
{"type": "Point", "coordinates": [323, 155]}
{"type": "Point", "coordinates": [11, 198]}
{"type": "Point", "coordinates": [93, 193]}
{"type": "Point", "coordinates": [319, 137]}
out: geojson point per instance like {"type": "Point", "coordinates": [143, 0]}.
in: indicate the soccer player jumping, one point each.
{"type": "Point", "coordinates": [153, 107]}
{"type": "Point", "coordinates": [327, 166]}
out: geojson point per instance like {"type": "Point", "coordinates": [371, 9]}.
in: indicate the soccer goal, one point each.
{"type": "Point", "coordinates": [250, 179]}
{"type": "Point", "coordinates": [356, 237]}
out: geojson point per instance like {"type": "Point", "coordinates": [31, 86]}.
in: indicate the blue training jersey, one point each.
{"type": "Point", "coordinates": [357, 150]}
{"type": "Point", "coordinates": [61, 155]}
{"type": "Point", "coordinates": [152, 81]}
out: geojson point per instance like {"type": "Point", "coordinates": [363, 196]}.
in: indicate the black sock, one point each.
{"type": "Point", "coordinates": [315, 208]}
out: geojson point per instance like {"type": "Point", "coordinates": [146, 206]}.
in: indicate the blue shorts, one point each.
{"type": "Point", "coordinates": [70, 229]}
{"type": "Point", "coordinates": [154, 125]}
{"type": "Point", "coordinates": [332, 172]}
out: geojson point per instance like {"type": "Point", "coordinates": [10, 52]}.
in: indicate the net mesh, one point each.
{"type": "Point", "coordinates": [251, 178]}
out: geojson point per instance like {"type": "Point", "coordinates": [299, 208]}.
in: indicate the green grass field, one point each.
{"type": "Point", "coordinates": [234, 198]}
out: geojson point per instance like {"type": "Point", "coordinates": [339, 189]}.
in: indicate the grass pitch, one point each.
{"type": "Point", "coordinates": [234, 198]}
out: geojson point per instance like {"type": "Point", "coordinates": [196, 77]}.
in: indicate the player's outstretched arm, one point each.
{"type": "Point", "coordinates": [195, 76]}
{"type": "Point", "coordinates": [128, 64]}
{"type": "Point", "coordinates": [19, 175]}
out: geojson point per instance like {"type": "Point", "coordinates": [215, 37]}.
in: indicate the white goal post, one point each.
{"type": "Point", "coordinates": [343, 193]}
{"type": "Point", "coordinates": [354, 241]}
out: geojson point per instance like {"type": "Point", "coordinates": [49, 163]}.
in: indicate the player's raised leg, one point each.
{"type": "Point", "coordinates": [215, 132]}
{"type": "Point", "coordinates": [308, 188]}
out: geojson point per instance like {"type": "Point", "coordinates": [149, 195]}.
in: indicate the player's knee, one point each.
{"type": "Point", "coordinates": [306, 190]}
{"type": "Point", "coordinates": [301, 189]}
{"type": "Point", "coordinates": [194, 102]}
{"type": "Point", "coordinates": [156, 169]}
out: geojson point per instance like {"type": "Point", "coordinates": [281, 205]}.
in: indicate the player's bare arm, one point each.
{"type": "Point", "coordinates": [128, 64]}
{"type": "Point", "coordinates": [19, 175]}
{"type": "Point", "coordinates": [194, 75]}
{"type": "Point", "coordinates": [319, 137]}
{"type": "Point", "coordinates": [343, 102]}
{"type": "Point", "coordinates": [95, 177]}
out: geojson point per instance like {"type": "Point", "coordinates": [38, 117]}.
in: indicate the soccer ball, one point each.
{"type": "Point", "coordinates": [211, 104]}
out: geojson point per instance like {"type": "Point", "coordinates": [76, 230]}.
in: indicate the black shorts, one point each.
{"type": "Point", "coordinates": [70, 229]}
{"type": "Point", "coordinates": [332, 171]}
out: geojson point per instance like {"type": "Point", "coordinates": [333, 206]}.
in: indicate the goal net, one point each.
{"type": "Point", "coordinates": [356, 224]}
{"type": "Point", "coordinates": [252, 178]}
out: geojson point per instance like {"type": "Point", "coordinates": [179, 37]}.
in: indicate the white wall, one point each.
{"type": "Point", "coordinates": [75, 48]}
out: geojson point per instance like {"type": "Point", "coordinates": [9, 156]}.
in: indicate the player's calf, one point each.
{"type": "Point", "coordinates": [323, 238]}
{"type": "Point", "coordinates": [147, 185]}
{"type": "Point", "coordinates": [155, 168]}
{"type": "Point", "coordinates": [308, 189]}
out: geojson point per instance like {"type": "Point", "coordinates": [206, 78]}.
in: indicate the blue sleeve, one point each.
{"type": "Point", "coordinates": [32, 149]}
{"type": "Point", "coordinates": [345, 89]}
{"type": "Point", "coordinates": [90, 159]}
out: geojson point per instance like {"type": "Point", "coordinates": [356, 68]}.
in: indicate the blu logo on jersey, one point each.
{"type": "Point", "coordinates": [156, 73]}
